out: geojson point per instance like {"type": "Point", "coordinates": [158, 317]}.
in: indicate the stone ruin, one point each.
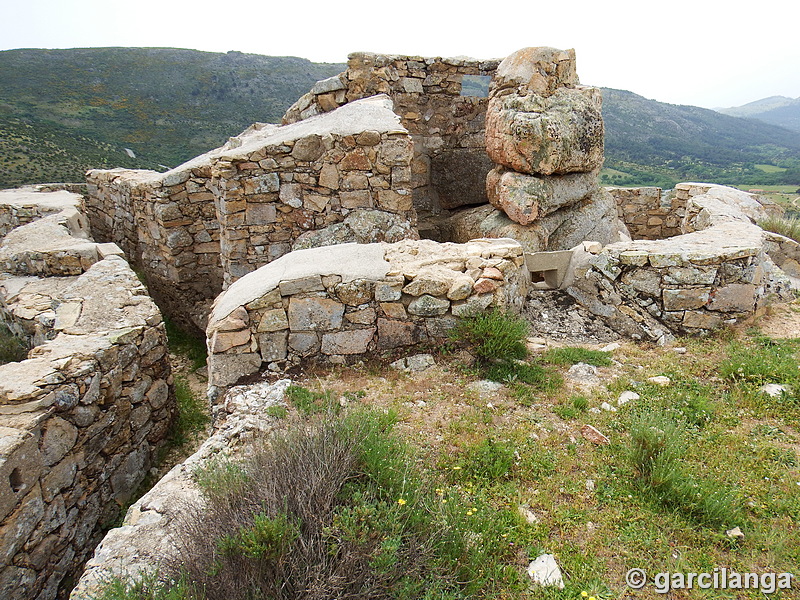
{"type": "Point", "coordinates": [81, 420]}
{"type": "Point", "coordinates": [387, 204]}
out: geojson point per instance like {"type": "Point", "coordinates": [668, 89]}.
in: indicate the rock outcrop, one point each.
{"type": "Point", "coordinates": [544, 132]}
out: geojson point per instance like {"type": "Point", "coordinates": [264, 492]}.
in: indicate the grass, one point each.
{"type": "Point", "coordinates": [572, 355]}
{"type": "Point", "coordinates": [786, 226]}
{"type": "Point", "coordinates": [685, 463]}
{"type": "Point", "coordinates": [187, 345]}
{"type": "Point", "coordinates": [770, 169]}
{"type": "Point", "coordinates": [12, 349]}
{"type": "Point", "coordinates": [192, 416]}
{"type": "Point", "coordinates": [337, 507]}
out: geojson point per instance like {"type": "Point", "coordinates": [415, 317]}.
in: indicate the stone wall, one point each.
{"type": "Point", "coordinates": [344, 176]}
{"type": "Point", "coordinates": [82, 418]}
{"type": "Point", "coordinates": [300, 182]}
{"type": "Point", "coordinates": [450, 163]}
{"type": "Point", "coordinates": [647, 214]}
{"type": "Point", "coordinates": [724, 269]}
{"type": "Point", "coordinates": [345, 302]}
{"type": "Point", "coordinates": [167, 226]}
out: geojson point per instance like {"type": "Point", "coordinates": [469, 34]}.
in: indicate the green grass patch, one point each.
{"type": "Point", "coordinates": [770, 168]}
{"type": "Point", "coordinates": [184, 343]}
{"type": "Point", "coordinates": [12, 349]}
{"type": "Point", "coordinates": [657, 448]}
{"type": "Point", "coordinates": [309, 402]}
{"type": "Point", "coordinates": [192, 415]}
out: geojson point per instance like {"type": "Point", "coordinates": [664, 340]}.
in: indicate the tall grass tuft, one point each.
{"type": "Point", "coordinates": [657, 447]}
{"type": "Point", "coordinates": [785, 226]}
{"type": "Point", "coordinates": [494, 336]}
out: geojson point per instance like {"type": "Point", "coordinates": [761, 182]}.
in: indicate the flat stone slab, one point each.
{"type": "Point", "coordinates": [374, 114]}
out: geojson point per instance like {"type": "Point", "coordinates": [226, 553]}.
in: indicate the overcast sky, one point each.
{"type": "Point", "coordinates": [707, 53]}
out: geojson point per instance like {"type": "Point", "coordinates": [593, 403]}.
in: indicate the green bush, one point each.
{"type": "Point", "coordinates": [146, 587]}
{"type": "Point", "coordinates": [494, 336]}
{"type": "Point", "coordinates": [12, 349]}
{"type": "Point", "coordinates": [339, 508]}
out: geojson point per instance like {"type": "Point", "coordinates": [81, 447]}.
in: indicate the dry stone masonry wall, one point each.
{"type": "Point", "coordinates": [340, 177]}
{"type": "Point", "coordinates": [298, 185]}
{"type": "Point", "coordinates": [344, 302]}
{"type": "Point", "coordinates": [647, 214]}
{"type": "Point", "coordinates": [449, 164]}
{"type": "Point", "coordinates": [82, 418]}
{"type": "Point", "coordinates": [721, 269]}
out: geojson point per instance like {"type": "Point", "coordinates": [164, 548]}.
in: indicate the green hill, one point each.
{"type": "Point", "coordinates": [62, 111]}
{"type": "Point", "coordinates": [656, 143]}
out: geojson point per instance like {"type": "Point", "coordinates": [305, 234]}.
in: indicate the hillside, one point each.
{"type": "Point", "coordinates": [660, 143]}
{"type": "Point", "coordinates": [63, 111]}
{"type": "Point", "coordinates": [775, 110]}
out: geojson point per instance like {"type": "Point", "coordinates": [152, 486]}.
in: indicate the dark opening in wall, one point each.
{"type": "Point", "coordinates": [475, 85]}
{"type": "Point", "coordinates": [15, 480]}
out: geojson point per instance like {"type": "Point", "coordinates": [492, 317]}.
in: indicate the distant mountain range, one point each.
{"type": "Point", "coordinates": [64, 111]}
{"type": "Point", "coordinates": [775, 110]}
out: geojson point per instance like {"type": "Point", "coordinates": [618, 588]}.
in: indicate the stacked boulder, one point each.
{"type": "Point", "coordinates": [544, 132]}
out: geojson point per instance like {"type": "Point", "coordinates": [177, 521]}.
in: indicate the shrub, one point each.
{"type": "Point", "coordinates": [495, 335]}
{"type": "Point", "coordinates": [147, 587]}
{"type": "Point", "coordinates": [12, 349]}
{"type": "Point", "coordinates": [338, 508]}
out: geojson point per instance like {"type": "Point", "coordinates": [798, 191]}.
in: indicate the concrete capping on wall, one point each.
{"type": "Point", "coordinates": [724, 270]}
{"type": "Point", "coordinates": [82, 418]}
{"type": "Point", "coordinates": [341, 303]}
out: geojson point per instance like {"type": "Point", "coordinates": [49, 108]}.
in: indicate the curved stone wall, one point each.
{"type": "Point", "coordinates": [340, 303]}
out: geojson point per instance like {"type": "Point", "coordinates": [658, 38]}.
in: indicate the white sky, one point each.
{"type": "Point", "coordinates": [702, 52]}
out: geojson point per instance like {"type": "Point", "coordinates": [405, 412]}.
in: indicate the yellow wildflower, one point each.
{"type": "Point", "coordinates": [401, 501]}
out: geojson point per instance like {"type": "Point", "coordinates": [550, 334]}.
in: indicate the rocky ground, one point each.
{"type": "Point", "coordinates": [554, 315]}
